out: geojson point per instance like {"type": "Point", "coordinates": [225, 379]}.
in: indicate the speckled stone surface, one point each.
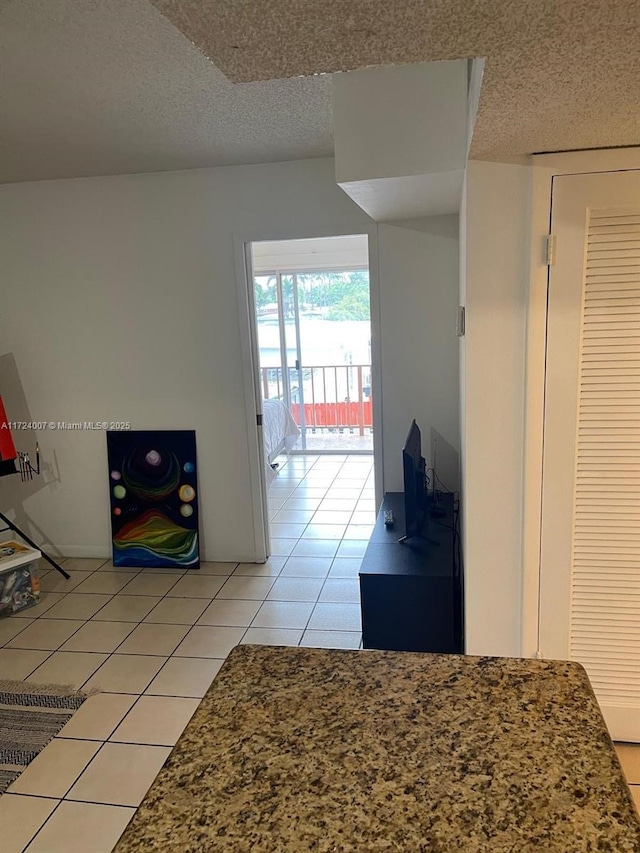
{"type": "Point", "coordinates": [297, 749]}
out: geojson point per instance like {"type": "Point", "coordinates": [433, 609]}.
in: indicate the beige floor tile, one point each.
{"type": "Point", "coordinates": [197, 586]}
{"type": "Point", "coordinates": [302, 502]}
{"type": "Point", "coordinates": [283, 614]}
{"type": "Point", "coordinates": [367, 505]}
{"type": "Point", "coordinates": [345, 567]}
{"type": "Point", "coordinates": [286, 530]}
{"type": "Point", "coordinates": [76, 606]}
{"type": "Point", "coordinates": [68, 668]}
{"type": "Point", "coordinates": [148, 583]}
{"type": "Point", "coordinates": [150, 639]}
{"type": "Point", "coordinates": [55, 582]}
{"type": "Point", "coordinates": [46, 634]}
{"type": "Point", "coordinates": [83, 564]}
{"type": "Point", "coordinates": [127, 608]}
{"type": "Point", "coordinates": [324, 531]}
{"type": "Point", "coordinates": [230, 612]}
{"type": "Point", "coordinates": [306, 567]}
{"type": "Point", "coordinates": [364, 517]}
{"type": "Point", "coordinates": [635, 793]}
{"type": "Point", "coordinates": [359, 531]}
{"type": "Point", "coordinates": [224, 569]}
{"type": "Point", "coordinates": [20, 819]}
{"type": "Point", "coordinates": [293, 516]}
{"type": "Point", "coordinates": [72, 824]}
{"type": "Point", "coordinates": [331, 639]}
{"type": "Point", "coordinates": [109, 567]}
{"type": "Point", "coordinates": [47, 600]}
{"type": "Point", "coordinates": [295, 589]}
{"type": "Point", "coordinates": [98, 716]}
{"type": "Point", "coordinates": [10, 627]}
{"type": "Point", "coordinates": [104, 582]}
{"type": "Point", "coordinates": [246, 588]}
{"type": "Point", "coordinates": [315, 548]}
{"type": "Point", "coordinates": [178, 611]}
{"type": "Point", "coordinates": [273, 636]}
{"type": "Point", "coordinates": [282, 547]}
{"type": "Point", "coordinates": [629, 755]}
{"type": "Point", "coordinates": [336, 516]}
{"type": "Point", "coordinates": [337, 505]}
{"type": "Point", "coordinates": [120, 774]}
{"type": "Point", "coordinates": [126, 673]}
{"type": "Point", "coordinates": [189, 677]}
{"type": "Point", "coordinates": [97, 636]}
{"type": "Point", "coordinates": [335, 617]}
{"type": "Point", "coordinates": [158, 720]}
{"type": "Point", "coordinates": [341, 590]}
{"type": "Point", "coordinates": [352, 548]}
{"type": "Point", "coordinates": [271, 568]}
{"type": "Point", "coordinates": [20, 663]}
{"type": "Point", "coordinates": [56, 768]}
{"type": "Point", "coordinates": [45, 566]}
{"type": "Point", "coordinates": [209, 642]}
{"type": "Point", "coordinates": [336, 494]}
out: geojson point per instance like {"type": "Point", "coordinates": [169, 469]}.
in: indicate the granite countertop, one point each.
{"type": "Point", "coordinates": [296, 749]}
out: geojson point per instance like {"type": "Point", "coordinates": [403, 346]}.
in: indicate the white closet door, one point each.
{"type": "Point", "coordinates": [590, 563]}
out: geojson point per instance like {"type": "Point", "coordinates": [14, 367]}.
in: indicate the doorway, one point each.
{"type": "Point", "coordinates": [313, 324]}
{"type": "Point", "coordinates": [590, 535]}
{"type": "Point", "coordinates": [313, 374]}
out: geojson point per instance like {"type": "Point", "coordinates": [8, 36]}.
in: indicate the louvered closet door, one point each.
{"type": "Point", "coordinates": [590, 567]}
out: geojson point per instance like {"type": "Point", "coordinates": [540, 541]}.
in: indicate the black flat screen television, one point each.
{"type": "Point", "coordinates": [415, 485]}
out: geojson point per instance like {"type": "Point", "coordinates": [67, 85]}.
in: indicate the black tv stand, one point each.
{"type": "Point", "coordinates": [411, 592]}
{"type": "Point", "coordinates": [421, 536]}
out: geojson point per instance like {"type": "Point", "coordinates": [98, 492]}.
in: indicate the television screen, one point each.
{"type": "Point", "coordinates": [414, 471]}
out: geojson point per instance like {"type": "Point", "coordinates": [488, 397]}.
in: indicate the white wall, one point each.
{"type": "Point", "coordinates": [419, 347]}
{"type": "Point", "coordinates": [401, 137]}
{"type": "Point", "coordinates": [385, 118]}
{"type": "Point", "coordinates": [496, 234]}
{"type": "Point", "coordinates": [120, 303]}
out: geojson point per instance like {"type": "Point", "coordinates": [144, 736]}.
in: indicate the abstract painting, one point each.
{"type": "Point", "coordinates": [154, 498]}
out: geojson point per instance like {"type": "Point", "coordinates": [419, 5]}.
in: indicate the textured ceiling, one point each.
{"type": "Point", "coordinates": [98, 87]}
{"type": "Point", "coordinates": [560, 74]}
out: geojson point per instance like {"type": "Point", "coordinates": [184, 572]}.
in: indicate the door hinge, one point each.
{"type": "Point", "coordinates": [551, 249]}
{"type": "Point", "coordinates": [461, 321]}
{"type": "Point", "coordinates": [259, 420]}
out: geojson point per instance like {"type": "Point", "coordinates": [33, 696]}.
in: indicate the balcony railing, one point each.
{"type": "Point", "coordinates": [336, 396]}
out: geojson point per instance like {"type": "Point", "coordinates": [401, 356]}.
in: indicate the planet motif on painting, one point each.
{"type": "Point", "coordinates": [153, 458]}
{"type": "Point", "coordinates": [187, 493]}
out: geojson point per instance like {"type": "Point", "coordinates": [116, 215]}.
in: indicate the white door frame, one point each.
{"type": "Point", "coordinates": [545, 168]}
{"type": "Point", "coordinates": [250, 362]}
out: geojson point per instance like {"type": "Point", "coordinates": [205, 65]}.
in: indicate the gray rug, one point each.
{"type": "Point", "coordinates": [30, 716]}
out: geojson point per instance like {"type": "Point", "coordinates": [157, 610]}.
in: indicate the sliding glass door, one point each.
{"type": "Point", "coordinates": [314, 334]}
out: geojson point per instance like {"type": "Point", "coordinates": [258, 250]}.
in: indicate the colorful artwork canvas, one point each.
{"type": "Point", "coordinates": [154, 498]}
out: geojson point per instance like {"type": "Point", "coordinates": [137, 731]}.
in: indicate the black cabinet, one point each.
{"type": "Point", "coordinates": [410, 593]}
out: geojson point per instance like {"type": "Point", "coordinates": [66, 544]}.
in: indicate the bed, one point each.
{"type": "Point", "coordinates": [279, 431]}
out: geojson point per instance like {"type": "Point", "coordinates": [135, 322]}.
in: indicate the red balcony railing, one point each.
{"type": "Point", "coordinates": [336, 396]}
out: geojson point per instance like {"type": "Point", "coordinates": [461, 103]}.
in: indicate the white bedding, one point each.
{"type": "Point", "coordinates": [279, 432]}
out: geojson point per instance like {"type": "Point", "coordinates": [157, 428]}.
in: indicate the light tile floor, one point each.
{"type": "Point", "coordinates": [154, 640]}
